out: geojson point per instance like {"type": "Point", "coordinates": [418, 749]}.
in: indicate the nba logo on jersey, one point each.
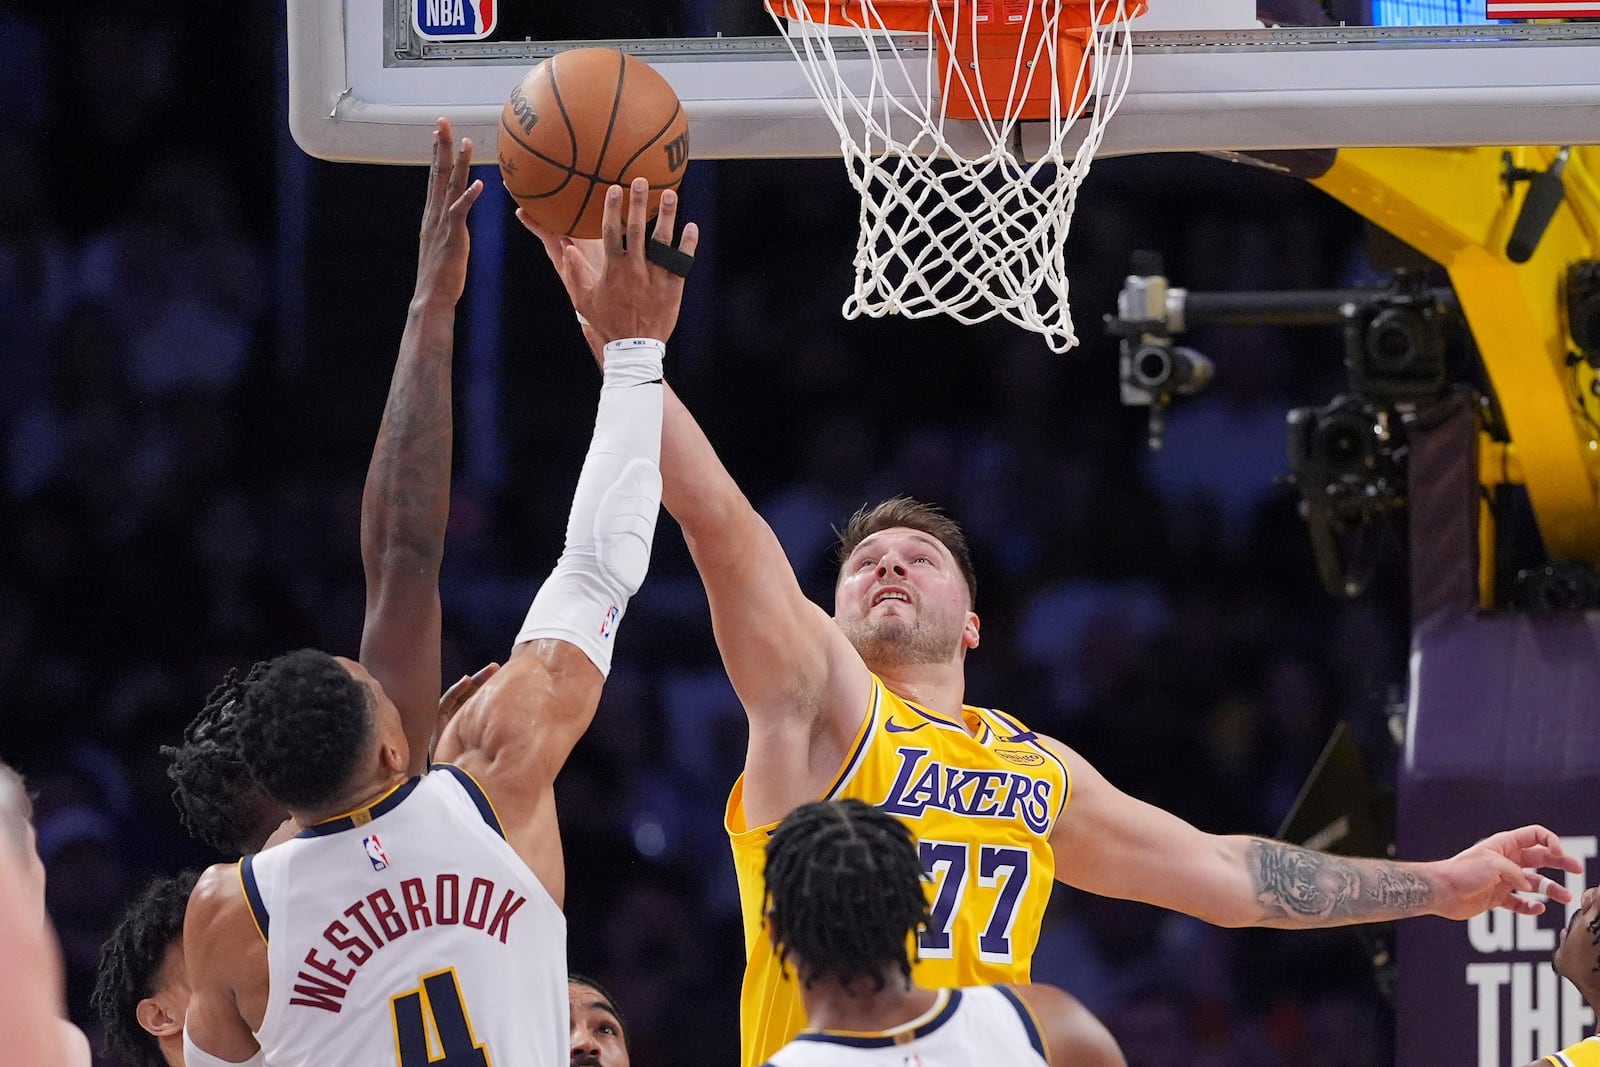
{"type": "Point", "coordinates": [454, 20]}
{"type": "Point", "coordinates": [610, 621]}
{"type": "Point", "coordinates": [375, 852]}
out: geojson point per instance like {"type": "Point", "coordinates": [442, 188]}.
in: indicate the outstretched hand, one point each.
{"type": "Point", "coordinates": [1491, 873]}
{"type": "Point", "coordinates": [453, 699]}
{"type": "Point", "coordinates": [613, 286]}
{"type": "Point", "coordinates": [444, 245]}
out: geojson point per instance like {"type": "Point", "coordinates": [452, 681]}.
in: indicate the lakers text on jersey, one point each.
{"type": "Point", "coordinates": [982, 795]}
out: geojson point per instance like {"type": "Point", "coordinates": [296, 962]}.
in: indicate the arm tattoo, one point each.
{"type": "Point", "coordinates": [1305, 888]}
{"type": "Point", "coordinates": [407, 496]}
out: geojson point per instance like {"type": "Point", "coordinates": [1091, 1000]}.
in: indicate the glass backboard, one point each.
{"type": "Point", "coordinates": [1209, 75]}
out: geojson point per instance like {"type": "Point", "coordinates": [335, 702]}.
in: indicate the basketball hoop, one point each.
{"type": "Point", "coordinates": [968, 234]}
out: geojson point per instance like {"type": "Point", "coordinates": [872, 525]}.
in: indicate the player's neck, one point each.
{"type": "Point", "coordinates": [861, 1006]}
{"type": "Point", "coordinates": [360, 796]}
{"type": "Point", "coordinates": [1590, 988]}
{"type": "Point", "coordinates": [939, 687]}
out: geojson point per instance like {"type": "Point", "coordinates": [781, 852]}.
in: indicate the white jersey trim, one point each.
{"type": "Point", "coordinates": [195, 1056]}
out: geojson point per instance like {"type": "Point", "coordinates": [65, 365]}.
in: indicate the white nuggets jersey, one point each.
{"type": "Point", "coordinates": [976, 1025]}
{"type": "Point", "coordinates": [409, 934]}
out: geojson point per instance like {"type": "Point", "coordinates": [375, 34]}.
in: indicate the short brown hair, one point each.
{"type": "Point", "coordinates": [913, 515]}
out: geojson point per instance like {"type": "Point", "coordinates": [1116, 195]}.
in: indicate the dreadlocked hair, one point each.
{"type": "Point", "coordinates": [302, 727]}
{"type": "Point", "coordinates": [130, 967]}
{"type": "Point", "coordinates": [217, 799]}
{"type": "Point", "coordinates": [844, 890]}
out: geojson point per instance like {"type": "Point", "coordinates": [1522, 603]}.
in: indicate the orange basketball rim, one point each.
{"type": "Point", "coordinates": [993, 54]}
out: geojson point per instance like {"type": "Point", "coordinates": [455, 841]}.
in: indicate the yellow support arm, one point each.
{"type": "Point", "coordinates": [1452, 206]}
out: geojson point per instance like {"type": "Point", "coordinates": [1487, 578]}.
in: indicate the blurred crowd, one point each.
{"type": "Point", "coordinates": [191, 386]}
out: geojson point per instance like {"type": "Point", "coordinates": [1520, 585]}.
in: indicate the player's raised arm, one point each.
{"type": "Point", "coordinates": [406, 501]}
{"type": "Point", "coordinates": [1116, 845]}
{"type": "Point", "coordinates": [516, 733]}
{"type": "Point", "coordinates": [788, 662]}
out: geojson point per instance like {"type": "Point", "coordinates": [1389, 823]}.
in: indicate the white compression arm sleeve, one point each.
{"type": "Point", "coordinates": [614, 509]}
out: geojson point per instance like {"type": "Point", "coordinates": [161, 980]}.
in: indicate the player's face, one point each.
{"type": "Point", "coordinates": [902, 599]}
{"type": "Point", "coordinates": [596, 1033]}
{"type": "Point", "coordinates": [1576, 954]}
{"type": "Point", "coordinates": [388, 730]}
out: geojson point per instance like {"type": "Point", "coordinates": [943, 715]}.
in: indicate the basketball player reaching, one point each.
{"type": "Point", "coordinates": [843, 899]}
{"type": "Point", "coordinates": [416, 919]}
{"type": "Point", "coordinates": [141, 991]}
{"type": "Point", "coordinates": [870, 703]}
{"type": "Point", "coordinates": [1578, 961]}
{"type": "Point", "coordinates": [404, 508]}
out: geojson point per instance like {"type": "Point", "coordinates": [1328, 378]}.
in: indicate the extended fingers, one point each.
{"type": "Point", "coordinates": [1545, 856]}
{"type": "Point", "coordinates": [666, 217]}
{"type": "Point", "coordinates": [463, 164]}
{"type": "Point", "coordinates": [667, 222]}
{"type": "Point", "coordinates": [638, 207]}
{"type": "Point", "coordinates": [464, 202]}
{"type": "Point", "coordinates": [438, 172]}
{"type": "Point", "coordinates": [1538, 846]}
{"type": "Point", "coordinates": [1523, 905]}
{"type": "Point", "coordinates": [611, 222]}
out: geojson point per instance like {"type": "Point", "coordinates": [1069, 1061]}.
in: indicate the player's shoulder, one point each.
{"type": "Point", "coordinates": [1070, 1032]}
{"type": "Point", "coordinates": [217, 911]}
{"type": "Point", "coordinates": [1585, 1053]}
{"type": "Point", "coordinates": [216, 889]}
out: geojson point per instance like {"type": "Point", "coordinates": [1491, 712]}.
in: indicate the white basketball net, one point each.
{"type": "Point", "coordinates": [946, 231]}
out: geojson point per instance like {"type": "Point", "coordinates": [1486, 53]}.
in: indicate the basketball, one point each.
{"type": "Point", "coordinates": [584, 120]}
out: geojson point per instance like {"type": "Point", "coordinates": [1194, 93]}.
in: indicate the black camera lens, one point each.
{"type": "Point", "coordinates": [1344, 441]}
{"type": "Point", "coordinates": [1395, 341]}
{"type": "Point", "coordinates": [1152, 366]}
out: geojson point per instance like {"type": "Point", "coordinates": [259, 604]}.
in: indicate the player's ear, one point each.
{"type": "Point", "coordinates": [394, 756]}
{"type": "Point", "coordinates": [156, 1020]}
{"type": "Point", "coordinates": [969, 632]}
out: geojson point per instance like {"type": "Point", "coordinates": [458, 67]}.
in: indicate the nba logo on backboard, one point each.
{"type": "Point", "coordinates": [454, 20]}
{"type": "Point", "coordinates": [375, 853]}
{"type": "Point", "coordinates": [610, 621]}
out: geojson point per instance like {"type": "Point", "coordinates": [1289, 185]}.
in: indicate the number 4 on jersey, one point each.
{"type": "Point", "coordinates": [432, 1017]}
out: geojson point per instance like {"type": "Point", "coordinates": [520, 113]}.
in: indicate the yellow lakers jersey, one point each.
{"type": "Point", "coordinates": [1585, 1053]}
{"type": "Point", "coordinates": [982, 795]}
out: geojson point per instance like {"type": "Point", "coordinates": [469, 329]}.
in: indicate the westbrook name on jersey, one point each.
{"type": "Point", "coordinates": [409, 933]}
{"type": "Point", "coordinates": [982, 795]}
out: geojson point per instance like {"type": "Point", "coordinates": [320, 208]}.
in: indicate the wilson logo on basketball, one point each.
{"type": "Point", "coordinates": [1021, 759]}
{"type": "Point", "coordinates": [527, 118]}
{"type": "Point", "coordinates": [678, 151]}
